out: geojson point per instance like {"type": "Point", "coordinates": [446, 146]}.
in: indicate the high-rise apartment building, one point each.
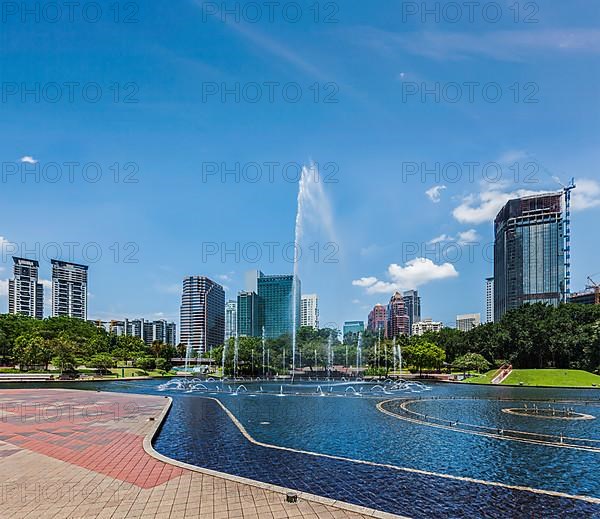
{"type": "Point", "coordinates": [69, 289]}
{"type": "Point", "coordinates": [278, 311]}
{"type": "Point", "coordinates": [412, 302]}
{"type": "Point", "coordinates": [148, 331]}
{"type": "Point", "coordinates": [377, 319]}
{"type": "Point", "coordinates": [489, 300]}
{"type": "Point", "coordinates": [309, 311]}
{"type": "Point", "coordinates": [397, 317]}
{"type": "Point", "coordinates": [426, 325]}
{"type": "Point", "coordinates": [230, 319]}
{"type": "Point", "coordinates": [25, 292]}
{"type": "Point", "coordinates": [529, 253]}
{"type": "Point", "coordinates": [202, 323]}
{"type": "Point", "coordinates": [467, 322]}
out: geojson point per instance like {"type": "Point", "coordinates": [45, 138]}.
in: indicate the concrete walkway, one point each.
{"type": "Point", "coordinates": [80, 454]}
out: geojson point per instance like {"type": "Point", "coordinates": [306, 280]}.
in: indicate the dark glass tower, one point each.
{"type": "Point", "coordinates": [529, 253]}
{"type": "Point", "coordinates": [202, 313]}
{"type": "Point", "coordinates": [248, 318]}
{"type": "Point", "coordinates": [277, 305]}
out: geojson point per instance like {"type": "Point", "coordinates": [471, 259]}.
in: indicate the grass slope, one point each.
{"type": "Point", "coordinates": [552, 377]}
{"type": "Point", "coordinates": [542, 377]}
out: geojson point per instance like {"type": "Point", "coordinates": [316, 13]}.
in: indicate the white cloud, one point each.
{"type": "Point", "coordinates": [28, 159]}
{"type": "Point", "coordinates": [442, 238]}
{"type": "Point", "coordinates": [355, 301]}
{"type": "Point", "coordinates": [502, 45]}
{"type": "Point", "coordinates": [435, 193]}
{"type": "Point", "coordinates": [462, 238]}
{"type": "Point", "coordinates": [3, 287]}
{"type": "Point", "coordinates": [586, 195]}
{"type": "Point", "coordinates": [417, 272]}
{"type": "Point", "coordinates": [466, 237]}
{"type": "Point", "coordinates": [483, 207]}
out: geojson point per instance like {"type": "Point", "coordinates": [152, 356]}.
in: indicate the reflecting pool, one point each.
{"type": "Point", "coordinates": [420, 451]}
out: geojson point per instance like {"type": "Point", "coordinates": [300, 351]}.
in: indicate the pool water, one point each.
{"type": "Point", "coordinates": [414, 469]}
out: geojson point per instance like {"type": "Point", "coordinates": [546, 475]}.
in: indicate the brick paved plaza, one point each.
{"type": "Point", "coordinates": [80, 454]}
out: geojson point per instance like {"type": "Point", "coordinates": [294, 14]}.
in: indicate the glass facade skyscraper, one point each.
{"type": "Point", "coordinates": [412, 302]}
{"type": "Point", "coordinates": [277, 305]}
{"type": "Point", "coordinates": [248, 318]}
{"type": "Point", "coordinates": [529, 253]}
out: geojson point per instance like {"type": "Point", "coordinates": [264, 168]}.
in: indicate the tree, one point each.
{"type": "Point", "coordinates": [102, 362]}
{"type": "Point", "coordinates": [471, 361]}
{"type": "Point", "coordinates": [31, 351]}
{"type": "Point", "coordinates": [64, 351]}
{"type": "Point", "coordinates": [424, 354]}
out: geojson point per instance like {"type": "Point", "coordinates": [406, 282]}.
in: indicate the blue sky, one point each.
{"type": "Point", "coordinates": [375, 144]}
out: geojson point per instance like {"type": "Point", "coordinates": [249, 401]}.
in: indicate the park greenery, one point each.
{"type": "Point", "coordinates": [68, 344]}
{"type": "Point", "coordinates": [531, 337]}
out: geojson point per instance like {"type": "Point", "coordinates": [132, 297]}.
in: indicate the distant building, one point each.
{"type": "Point", "coordinates": [278, 311]}
{"type": "Point", "coordinates": [489, 300]}
{"type": "Point", "coordinates": [397, 317]}
{"type": "Point", "coordinates": [377, 319]}
{"type": "Point", "coordinates": [248, 316]}
{"type": "Point", "coordinates": [25, 292]}
{"type": "Point", "coordinates": [251, 280]}
{"type": "Point", "coordinates": [467, 322]}
{"type": "Point", "coordinates": [589, 297]}
{"type": "Point", "coordinates": [529, 253]}
{"type": "Point", "coordinates": [202, 313]}
{"type": "Point", "coordinates": [353, 328]}
{"type": "Point", "coordinates": [412, 302]}
{"type": "Point", "coordinates": [69, 289]}
{"type": "Point", "coordinates": [309, 311]}
{"type": "Point", "coordinates": [148, 331]}
{"type": "Point", "coordinates": [426, 325]}
{"type": "Point", "coordinates": [230, 319]}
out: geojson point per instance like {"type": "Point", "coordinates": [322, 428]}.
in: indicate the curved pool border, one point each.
{"type": "Point", "coordinates": [498, 436]}
{"type": "Point", "coordinates": [160, 420]}
{"type": "Point", "coordinates": [148, 446]}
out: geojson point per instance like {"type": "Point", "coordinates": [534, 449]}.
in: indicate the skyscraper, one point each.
{"type": "Point", "coordinates": [353, 328]}
{"type": "Point", "coordinates": [529, 255]}
{"type": "Point", "coordinates": [25, 293]}
{"type": "Point", "coordinates": [397, 317]}
{"type": "Point", "coordinates": [202, 313]}
{"type": "Point", "coordinates": [412, 302]}
{"type": "Point", "coordinates": [309, 311]}
{"type": "Point", "coordinates": [277, 309]}
{"type": "Point", "coordinates": [489, 300]}
{"type": "Point", "coordinates": [248, 316]}
{"type": "Point", "coordinates": [377, 319]}
{"type": "Point", "coordinates": [230, 319]}
{"type": "Point", "coordinates": [69, 289]}
{"type": "Point", "coordinates": [467, 322]}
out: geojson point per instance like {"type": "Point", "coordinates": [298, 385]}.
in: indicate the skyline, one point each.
{"type": "Point", "coordinates": [174, 141]}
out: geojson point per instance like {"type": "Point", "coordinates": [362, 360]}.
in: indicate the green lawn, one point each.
{"type": "Point", "coordinates": [543, 377]}
{"type": "Point", "coordinates": [484, 378]}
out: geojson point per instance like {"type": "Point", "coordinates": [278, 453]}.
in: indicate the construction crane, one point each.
{"type": "Point", "coordinates": [595, 287]}
{"type": "Point", "coordinates": [567, 230]}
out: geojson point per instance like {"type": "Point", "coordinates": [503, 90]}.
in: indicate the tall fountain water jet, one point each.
{"type": "Point", "coordinates": [311, 204]}
{"type": "Point", "coordinates": [264, 341]}
{"type": "Point", "coordinates": [329, 356]}
{"type": "Point", "coordinates": [395, 354]}
{"type": "Point", "coordinates": [236, 354]}
{"type": "Point", "coordinates": [188, 355]}
{"type": "Point", "coordinates": [358, 354]}
{"type": "Point", "coordinates": [223, 362]}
